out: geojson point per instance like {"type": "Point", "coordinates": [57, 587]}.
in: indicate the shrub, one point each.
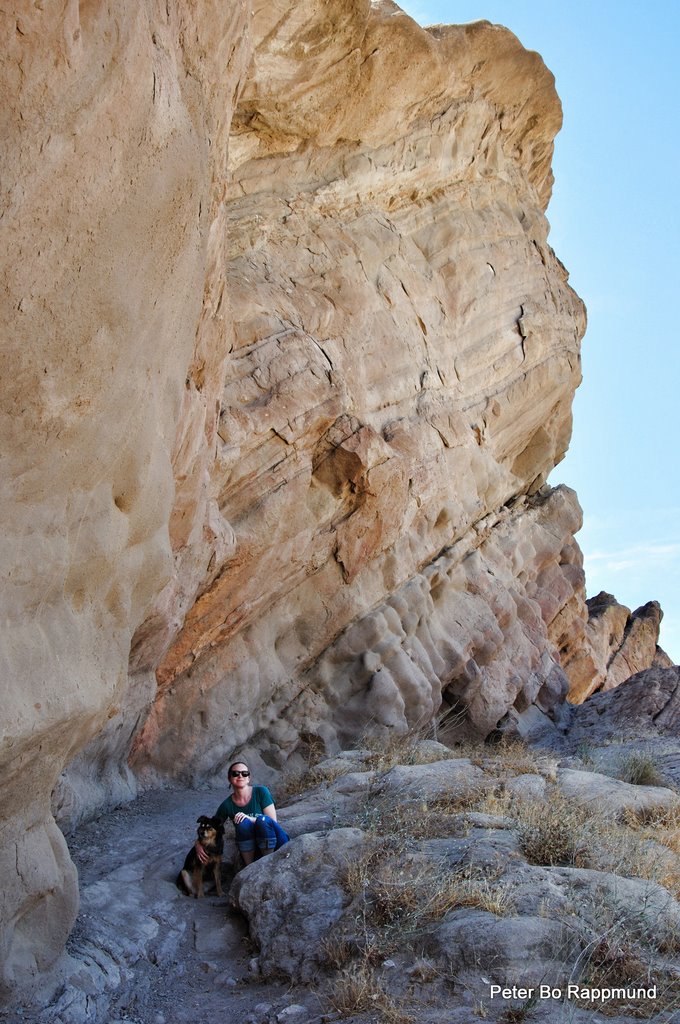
{"type": "Point", "coordinates": [511, 756]}
{"type": "Point", "coordinates": [639, 769]}
{"type": "Point", "coordinates": [399, 748]}
{"type": "Point", "coordinates": [337, 951]}
{"type": "Point", "coordinates": [553, 832]}
{"type": "Point", "coordinates": [357, 989]}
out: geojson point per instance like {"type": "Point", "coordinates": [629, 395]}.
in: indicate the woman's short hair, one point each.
{"type": "Point", "coordinates": [234, 763]}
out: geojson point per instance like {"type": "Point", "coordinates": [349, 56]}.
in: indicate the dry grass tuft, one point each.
{"type": "Point", "coordinates": [511, 757]}
{"type": "Point", "coordinates": [639, 843]}
{"type": "Point", "coordinates": [423, 971]}
{"type": "Point", "coordinates": [358, 989]}
{"type": "Point", "coordinates": [408, 894]}
{"type": "Point", "coordinates": [297, 783]}
{"type": "Point", "coordinates": [394, 900]}
{"type": "Point", "coordinates": [356, 874]}
{"type": "Point", "coordinates": [639, 769]}
{"type": "Point", "coordinates": [496, 803]}
{"type": "Point", "coordinates": [517, 1014]}
{"type": "Point", "coordinates": [662, 819]}
{"type": "Point", "coordinates": [408, 748]}
{"type": "Point", "coordinates": [557, 832]}
{"type": "Point", "coordinates": [337, 951]}
{"type": "Point", "coordinates": [406, 823]}
{"type": "Point", "coordinates": [623, 952]}
{"type": "Point", "coordinates": [386, 752]}
{"type": "Point", "coordinates": [614, 962]}
{"type": "Point", "coordinates": [553, 832]}
{"type": "Point", "coordinates": [622, 956]}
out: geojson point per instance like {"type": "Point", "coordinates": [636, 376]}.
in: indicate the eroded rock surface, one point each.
{"type": "Point", "coordinates": [412, 904]}
{"type": "Point", "coordinates": [488, 888]}
{"type": "Point", "coordinates": [646, 706]}
{"type": "Point", "coordinates": [464, 623]}
{"type": "Point", "coordinates": [404, 359]}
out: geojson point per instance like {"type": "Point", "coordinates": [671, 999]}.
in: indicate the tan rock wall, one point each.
{"type": "Point", "coordinates": [405, 353]}
{"type": "Point", "coordinates": [110, 114]}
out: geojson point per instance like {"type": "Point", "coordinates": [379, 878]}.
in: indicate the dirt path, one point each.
{"type": "Point", "coordinates": [143, 953]}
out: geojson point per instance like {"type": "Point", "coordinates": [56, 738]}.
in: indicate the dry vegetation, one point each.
{"type": "Point", "coordinates": [395, 894]}
{"type": "Point", "coordinates": [297, 783]}
{"type": "Point", "coordinates": [409, 900]}
{"type": "Point", "coordinates": [560, 832]}
{"type": "Point", "coordinates": [394, 897]}
{"type": "Point", "coordinates": [387, 752]}
{"type": "Point", "coordinates": [553, 832]}
{"type": "Point", "coordinates": [404, 824]}
{"type": "Point", "coordinates": [509, 757]}
{"type": "Point", "coordinates": [624, 953]}
{"type": "Point", "coordinates": [626, 948]}
{"type": "Point", "coordinates": [358, 989]}
{"type": "Point", "coordinates": [639, 769]}
{"type": "Point", "coordinates": [381, 753]}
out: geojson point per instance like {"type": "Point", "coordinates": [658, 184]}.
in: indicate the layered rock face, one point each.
{"type": "Point", "coordinates": [404, 358]}
{"type": "Point", "coordinates": [114, 120]}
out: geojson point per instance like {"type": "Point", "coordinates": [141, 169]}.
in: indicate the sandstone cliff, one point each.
{"type": "Point", "coordinates": [400, 382]}
{"type": "Point", "coordinates": [277, 431]}
{"type": "Point", "coordinates": [113, 155]}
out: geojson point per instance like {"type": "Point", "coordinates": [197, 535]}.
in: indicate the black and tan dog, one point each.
{"type": "Point", "coordinates": [211, 838]}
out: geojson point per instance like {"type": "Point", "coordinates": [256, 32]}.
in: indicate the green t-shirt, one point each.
{"type": "Point", "coordinates": [260, 798]}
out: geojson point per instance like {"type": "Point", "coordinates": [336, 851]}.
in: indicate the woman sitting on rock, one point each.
{"type": "Point", "coordinates": [252, 810]}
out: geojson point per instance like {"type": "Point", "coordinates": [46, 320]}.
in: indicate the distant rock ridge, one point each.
{"type": "Point", "coordinates": [289, 361]}
{"type": "Point", "coordinates": [617, 644]}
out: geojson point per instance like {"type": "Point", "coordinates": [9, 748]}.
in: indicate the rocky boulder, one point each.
{"type": "Point", "coordinates": [517, 890]}
{"type": "Point", "coordinates": [646, 705]}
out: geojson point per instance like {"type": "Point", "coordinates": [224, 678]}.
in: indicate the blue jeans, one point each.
{"type": "Point", "coordinates": [264, 834]}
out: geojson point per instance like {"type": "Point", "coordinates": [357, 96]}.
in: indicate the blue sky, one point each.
{"type": "Point", "coordinates": [615, 225]}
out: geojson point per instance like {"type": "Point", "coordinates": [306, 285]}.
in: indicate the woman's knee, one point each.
{"type": "Point", "coordinates": [265, 833]}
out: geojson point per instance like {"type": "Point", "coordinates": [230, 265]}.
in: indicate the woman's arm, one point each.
{"type": "Point", "coordinates": [270, 811]}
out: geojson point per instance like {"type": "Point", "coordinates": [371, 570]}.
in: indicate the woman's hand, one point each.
{"type": "Point", "coordinates": [200, 853]}
{"type": "Point", "coordinates": [240, 816]}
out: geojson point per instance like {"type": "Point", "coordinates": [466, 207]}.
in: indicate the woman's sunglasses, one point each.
{"type": "Point", "coordinates": [236, 775]}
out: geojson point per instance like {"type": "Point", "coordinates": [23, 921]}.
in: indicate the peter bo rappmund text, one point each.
{"type": "Point", "coordinates": [571, 991]}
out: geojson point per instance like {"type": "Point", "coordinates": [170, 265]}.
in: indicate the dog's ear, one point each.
{"type": "Point", "coordinates": [202, 820]}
